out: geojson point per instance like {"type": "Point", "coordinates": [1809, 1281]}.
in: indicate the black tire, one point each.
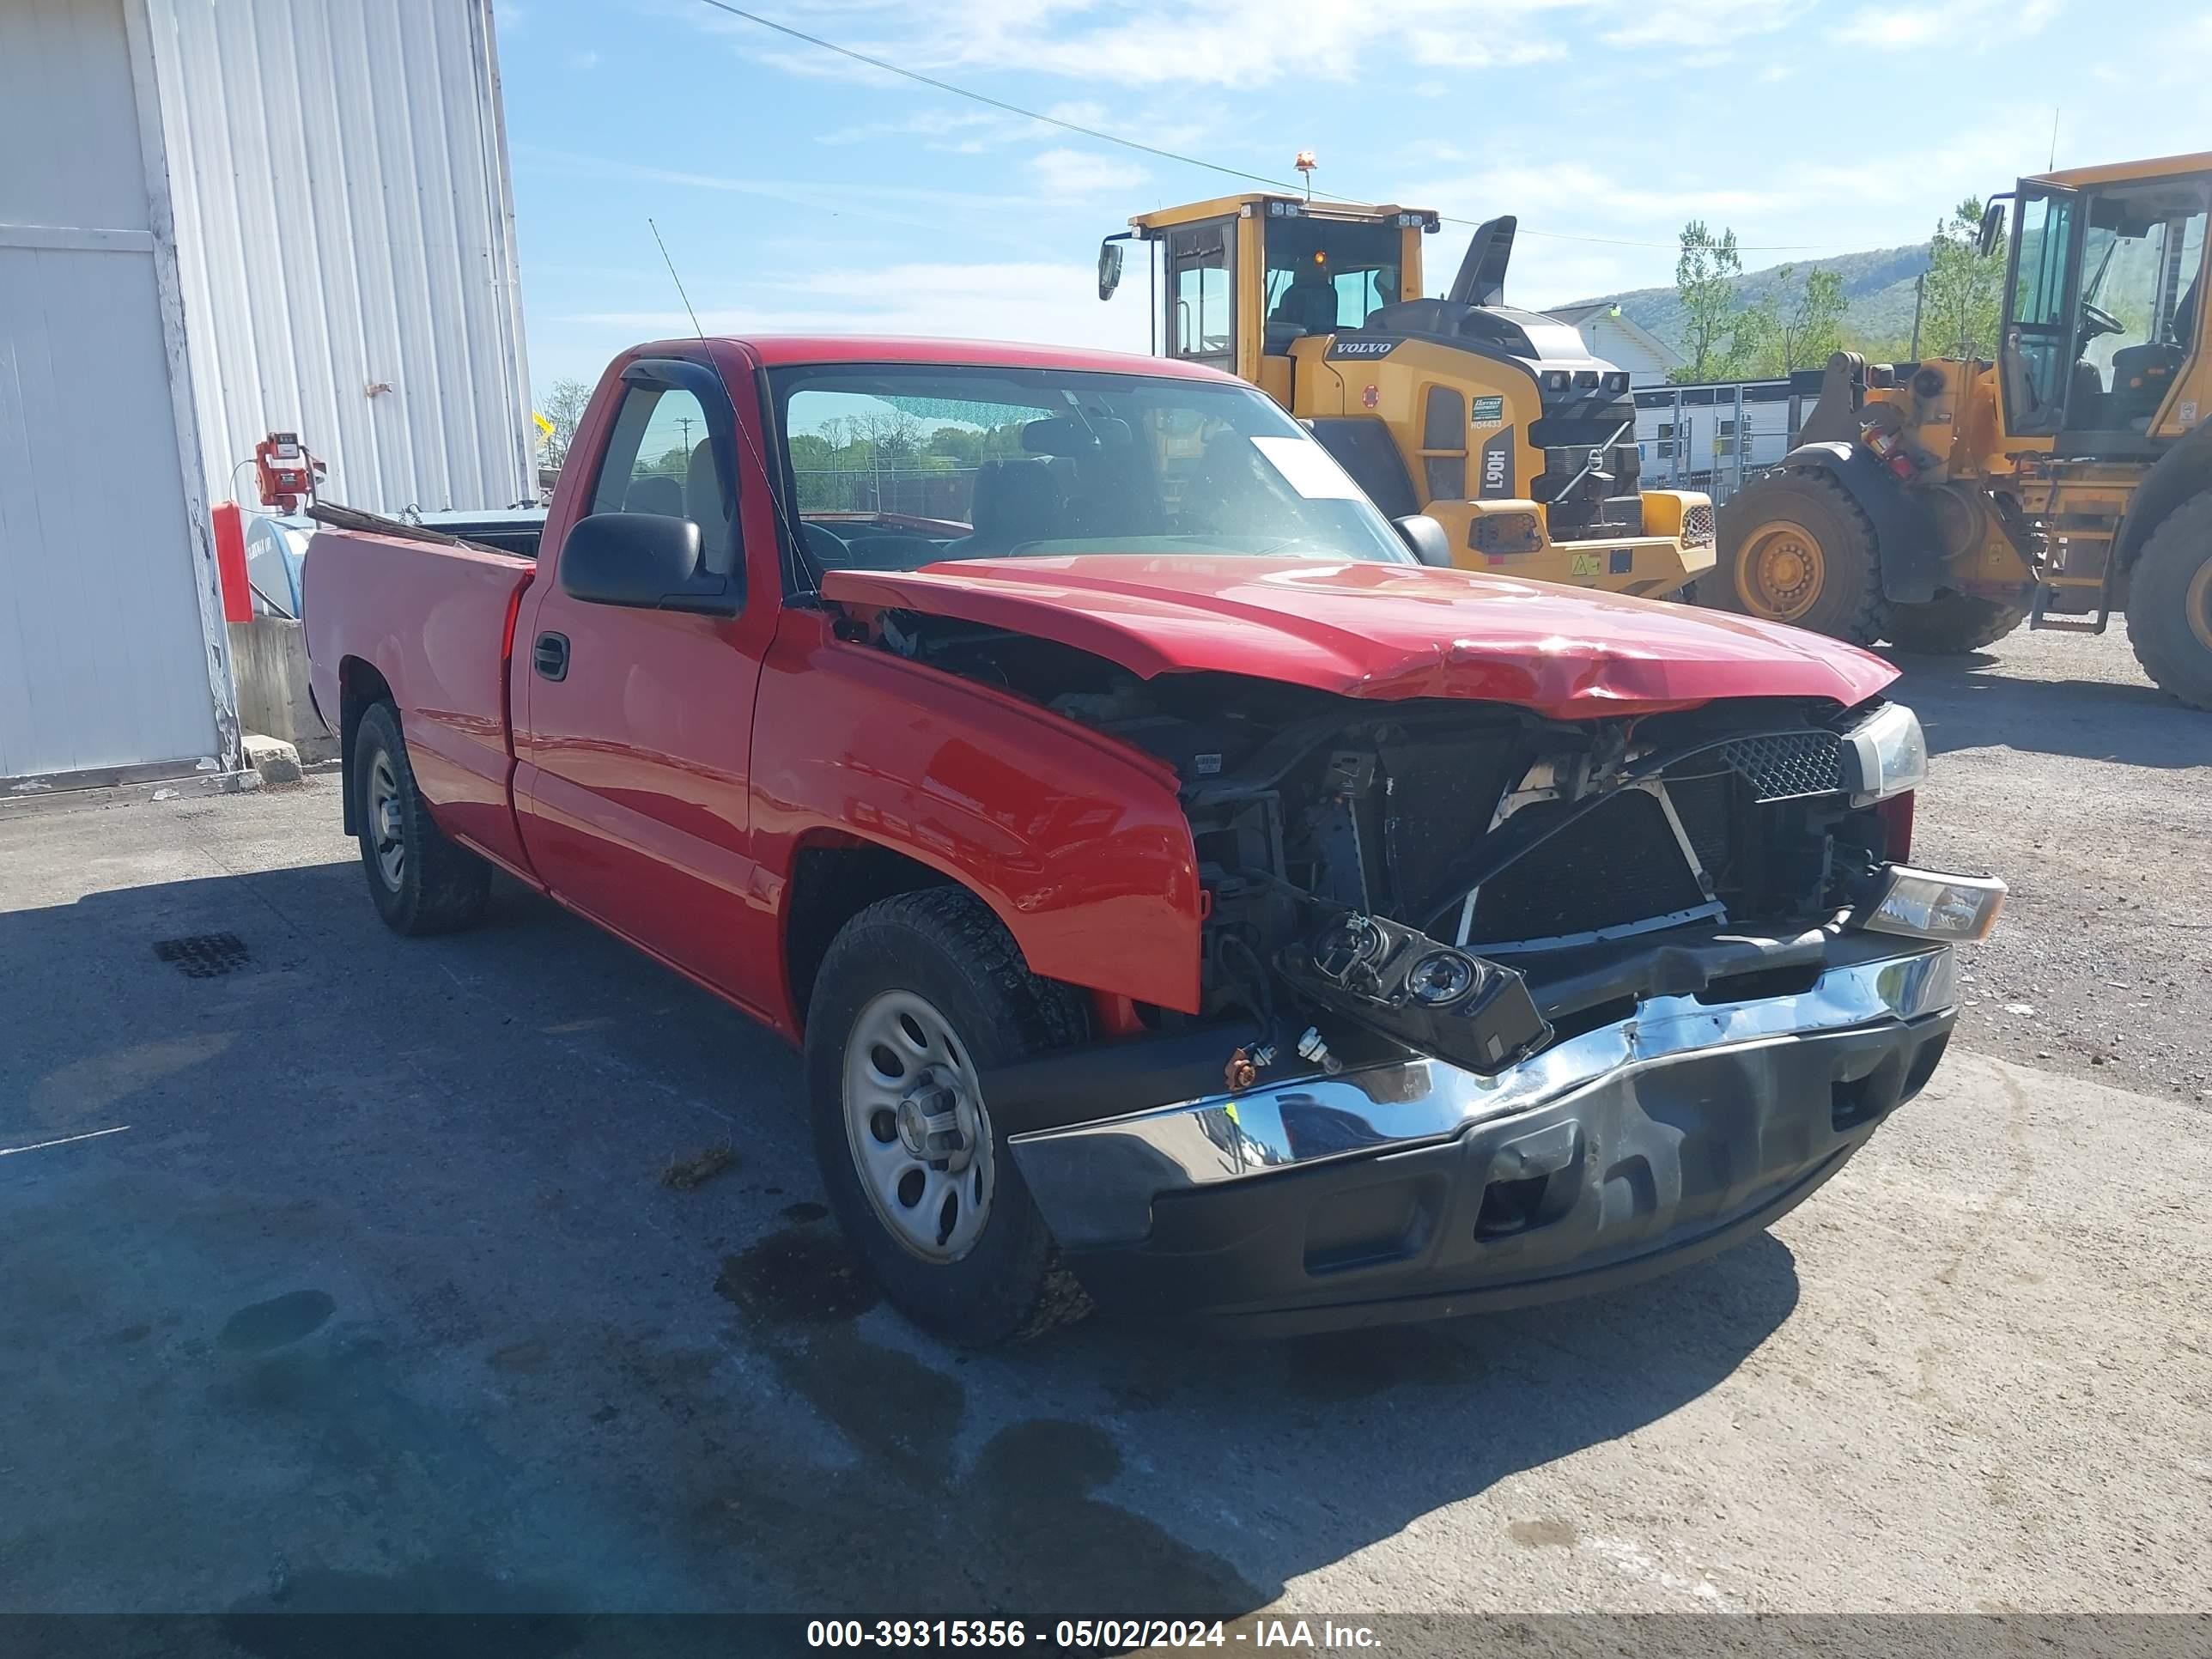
{"type": "Point", "coordinates": [1847, 604]}
{"type": "Point", "coordinates": [439, 885]}
{"type": "Point", "coordinates": [943, 945]}
{"type": "Point", "coordinates": [2170, 604]}
{"type": "Point", "coordinates": [1952, 624]}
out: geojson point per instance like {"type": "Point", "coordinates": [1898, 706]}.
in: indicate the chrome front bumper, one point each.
{"type": "Point", "coordinates": [1097, 1182]}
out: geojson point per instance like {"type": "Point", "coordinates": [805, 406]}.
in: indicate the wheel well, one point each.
{"type": "Point", "coordinates": [361, 687]}
{"type": "Point", "coordinates": [832, 881]}
{"type": "Point", "coordinates": [2177, 478]}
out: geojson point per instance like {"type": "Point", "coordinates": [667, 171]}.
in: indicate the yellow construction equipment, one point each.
{"type": "Point", "coordinates": [1497, 422]}
{"type": "Point", "coordinates": [1938, 504]}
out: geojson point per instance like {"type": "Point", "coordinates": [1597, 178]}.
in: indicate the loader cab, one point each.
{"type": "Point", "coordinates": [1237, 280]}
{"type": "Point", "coordinates": [2102, 351]}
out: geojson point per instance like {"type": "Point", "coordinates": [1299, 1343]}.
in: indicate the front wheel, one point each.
{"type": "Point", "coordinates": [919, 996]}
{"type": "Point", "coordinates": [2170, 604]}
{"type": "Point", "coordinates": [1795, 548]}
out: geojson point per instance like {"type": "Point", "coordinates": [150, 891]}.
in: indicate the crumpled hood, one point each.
{"type": "Point", "coordinates": [1381, 630]}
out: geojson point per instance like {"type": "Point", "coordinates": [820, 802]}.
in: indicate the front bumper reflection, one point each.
{"type": "Point", "coordinates": [1636, 1140]}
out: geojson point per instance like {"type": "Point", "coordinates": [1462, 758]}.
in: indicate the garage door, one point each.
{"type": "Point", "coordinates": [103, 657]}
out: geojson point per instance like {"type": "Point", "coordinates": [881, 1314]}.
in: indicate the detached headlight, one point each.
{"type": "Point", "coordinates": [1926, 904]}
{"type": "Point", "coordinates": [1885, 754]}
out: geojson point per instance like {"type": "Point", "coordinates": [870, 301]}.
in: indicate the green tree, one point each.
{"type": "Point", "coordinates": [1705, 278]}
{"type": "Point", "coordinates": [564, 405]}
{"type": "Point", "coordinates": [1962, 295]}
{"type": "Point", "coordinates": [1813, 331]}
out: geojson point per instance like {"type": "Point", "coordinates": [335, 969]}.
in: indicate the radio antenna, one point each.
{"type": "Point", "coordinates": [674, 278]}
{"type": "Point", "coordinates": [794, 558]}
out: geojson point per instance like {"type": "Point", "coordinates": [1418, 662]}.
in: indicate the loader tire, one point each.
{"type": "Point", "coordinates": [1952, 625]}
{"type": "Point", "coordinates": [2170, 604]}
{"type": "Point", "coordinates": [920, 995]}
{"type": "Point", "coordinates": [1795, 548]}
{"type": "Point", "coordinates": [422, 881]}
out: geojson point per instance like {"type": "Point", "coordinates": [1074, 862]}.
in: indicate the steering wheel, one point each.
{"type": "Point", "coordinates": [2096, 320]}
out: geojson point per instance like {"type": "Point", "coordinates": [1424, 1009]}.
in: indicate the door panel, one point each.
{"type": "Point", "coordinates": [2035, 359]}
{"type": "Point", "coordinates": [634, 727]}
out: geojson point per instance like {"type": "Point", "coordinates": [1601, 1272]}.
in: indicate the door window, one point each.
{"type": "Point", "coordinates": [660, 459]}
{"type": "Point", "coordinates": [2038, 345]}
{"type": "Point", "coordinates": [1201, 289]}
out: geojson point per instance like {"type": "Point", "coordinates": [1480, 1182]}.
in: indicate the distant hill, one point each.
{"type": "Point", "coordinates": [1877, 291]}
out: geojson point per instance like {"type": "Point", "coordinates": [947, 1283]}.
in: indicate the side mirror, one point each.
{"type": "Point", "coordinates": [1426, 538]}
{"type": "Point", "coordinates": [645, 560]}
{"type": "Point", "coordinates": [1110, 269]}
{"type": "Point", "coordinates": [1993, 220]}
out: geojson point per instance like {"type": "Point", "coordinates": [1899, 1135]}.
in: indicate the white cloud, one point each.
{"type": "Point", "coordinates": [1240, 44]}
{"type": "Point", "coordinates": [1070, 174]}
{"type": "Point", "coordinates": [1045, 304]}
{"type": "Point", "coordinates": [1890, 28]}
{"type": "Point", "coordinates": [584, 61]}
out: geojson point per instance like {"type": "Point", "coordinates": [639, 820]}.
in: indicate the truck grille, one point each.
{"type": "Point", "coordinates": [1619, 866]}
{"type": "Point", "coordinates": [1789, 766]}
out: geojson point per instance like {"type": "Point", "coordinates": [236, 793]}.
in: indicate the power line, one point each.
{"type": "Point", "coordinates": [1104, 137]}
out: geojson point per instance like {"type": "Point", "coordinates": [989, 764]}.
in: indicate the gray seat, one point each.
{"type": "Point", "coordinates": [704, 506]}
{"type": "Point", "coordinates": [1015, 501]}
{"type": "Point", "coordinates": [654, 493]}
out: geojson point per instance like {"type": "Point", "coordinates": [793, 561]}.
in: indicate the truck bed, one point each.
{"type": "Point", "coordinates": [437, 616]}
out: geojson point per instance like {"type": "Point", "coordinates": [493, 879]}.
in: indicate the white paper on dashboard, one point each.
{"type": "Point", "coordinates": [1308, 468]}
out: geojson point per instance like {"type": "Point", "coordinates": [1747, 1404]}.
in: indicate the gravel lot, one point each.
{"type": "Point", "coordinates": [353, 1280]}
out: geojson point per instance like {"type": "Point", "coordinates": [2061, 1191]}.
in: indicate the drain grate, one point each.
{"type": "Point", "coordinates": [204, 955]}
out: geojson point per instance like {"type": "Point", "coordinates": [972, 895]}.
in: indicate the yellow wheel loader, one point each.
{"type": "Point", "coordinates": [1497, 422]}
{"type": "Point", "coordinates": [1938, 505]}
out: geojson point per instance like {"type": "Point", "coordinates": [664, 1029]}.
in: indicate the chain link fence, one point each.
{"type": "Point", "coordinates": [913, 492]}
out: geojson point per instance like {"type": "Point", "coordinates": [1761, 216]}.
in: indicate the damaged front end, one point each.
{"type": "Point", "coordinates": [1495, 1006]}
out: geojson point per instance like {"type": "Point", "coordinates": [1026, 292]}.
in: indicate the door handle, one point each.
{"type": "Point", "coordinates": [550, 656]}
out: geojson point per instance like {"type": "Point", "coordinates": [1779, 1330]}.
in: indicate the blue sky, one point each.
{"type": "Point", "coordinates": [801, 192]}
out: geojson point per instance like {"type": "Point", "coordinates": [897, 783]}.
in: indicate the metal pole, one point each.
{"type": "Point", "coordinates": [1919, 293]}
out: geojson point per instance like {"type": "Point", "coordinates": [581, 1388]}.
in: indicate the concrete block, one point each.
{"type": "Point", "coordinates": [269, 655]}
{"type": "Point", "coordinates": [272, 759]}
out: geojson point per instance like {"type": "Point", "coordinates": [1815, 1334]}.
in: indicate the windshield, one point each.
{"type": "Point", "coordinates": [1323, 274]}
{"type": "Point", "coordinates": [894, 467]}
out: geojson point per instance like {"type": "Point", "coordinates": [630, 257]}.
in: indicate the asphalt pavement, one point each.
{"type": "Point", "coordinates": [340, 1270]}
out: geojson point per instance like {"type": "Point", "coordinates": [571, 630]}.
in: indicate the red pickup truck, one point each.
{"type": "Point", "coordinates": [1169, 873]}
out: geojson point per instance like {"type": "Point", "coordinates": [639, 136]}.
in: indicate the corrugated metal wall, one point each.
{"type": "Point", "coordinates": [111, 658]}
{"type": "Point", "coordinates": [346, 229]}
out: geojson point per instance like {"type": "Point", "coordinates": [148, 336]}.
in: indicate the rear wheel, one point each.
{"type": "Point", "coordinates": [919, 996]}
{"type": "Point", "coordinates": [1796, 548]}
{"type": "Point", "coordinates": [422, 881]}
{"type": "Point", "coordinates": [2170, 604]}
{"type": "Point", "coordinates": [1954, 623]}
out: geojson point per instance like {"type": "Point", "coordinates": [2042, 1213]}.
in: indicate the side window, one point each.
{"type": "Point", "coordinates": [1200, 281]}
{"type": "Point", "coordinates": [660, 459]}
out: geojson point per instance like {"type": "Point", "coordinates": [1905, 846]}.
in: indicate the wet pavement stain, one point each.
{"type": "Point", "coordinates": [798, 1278]}
{"type": "Point", "coordinates": [276, 1322]}
{"type": "Point", "coordinates": [1023, 1529]}
{"type": "Point", "coordinates": [805, 1210]}
{"type": "Point", "coordinates": [324, 1614]}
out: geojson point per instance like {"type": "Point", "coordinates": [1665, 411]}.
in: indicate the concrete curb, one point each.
{"type": "Point", "coordinates": [130, 794]}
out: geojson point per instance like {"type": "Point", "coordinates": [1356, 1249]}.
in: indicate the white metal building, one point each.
{"type": "Point", "coordinates": [243, 215]}
{"type": "Point", "coordinates": [1610, 333]}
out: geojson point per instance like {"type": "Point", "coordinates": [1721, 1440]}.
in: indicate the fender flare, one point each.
{"type": "Point", "coordinates": [1904, 531]}
{"type": "Point", "coordinates": [2174, 477]}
